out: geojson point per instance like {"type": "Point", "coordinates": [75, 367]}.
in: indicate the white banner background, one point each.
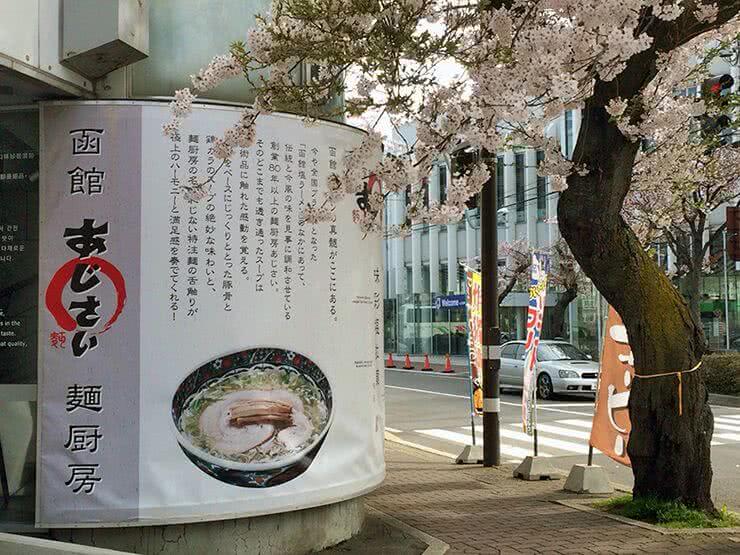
{"type": "Point", "coordinates": [346, 348]}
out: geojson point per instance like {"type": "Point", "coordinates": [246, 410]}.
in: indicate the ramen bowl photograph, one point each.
{"type": "Point", "coordinates": [255, 418]}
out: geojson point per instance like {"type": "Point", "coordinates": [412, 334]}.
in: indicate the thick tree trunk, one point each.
{"type": "Point", "coordinates": [558, 311]}
{"type": "Point", "coordinates": [670, 453]}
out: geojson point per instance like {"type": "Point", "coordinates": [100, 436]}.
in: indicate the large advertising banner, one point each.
{"type": "Point", "coordinates": [475, 336]}
{"type": "Point", "coordinates": [535, 312]}
{"type": "Point", "coordinates": [201, 359]}
{"type": "Point", "coordinates": [611, 423]}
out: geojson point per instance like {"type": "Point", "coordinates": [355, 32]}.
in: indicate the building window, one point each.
{"type": "Point", "coordinates": [568, 133]}
{"type": "Point", "coordinates": [407, 205]}
{"type": "Point", "coordinates": [660, 254]}
{"type": "Point", "coordinates": [461, 276]}
{"type": "Point", "coordinates": [442, 184]}
{"type": "Point", "coordinates": [425, 191]}
{"type": "Point", "coordinates": [541, 190]}
{"type": "Point", "coordinates": [520, 202]}
{"type": "Point", "coordinates": [442, 279]}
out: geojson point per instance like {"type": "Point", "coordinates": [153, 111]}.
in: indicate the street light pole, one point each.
{"type": "Point", "coordinates": [727, 290]}
{"type": "Point", "coordinates": [489, 317]}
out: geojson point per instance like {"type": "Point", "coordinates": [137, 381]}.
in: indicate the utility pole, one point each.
{"type": "Point", "coordinates": [490, 319]}
{"type": "Point", "coordinates": [727, 289]}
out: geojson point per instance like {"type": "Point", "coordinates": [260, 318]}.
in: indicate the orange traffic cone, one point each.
{"type": "Point", "coordinates": [448, 365]}
{"type": "Point", "coordinates": [427, 366]}
{"type": "Point", "coordinates": [389, 363]}
{"type": "Point", "coordinates": [407, 365]}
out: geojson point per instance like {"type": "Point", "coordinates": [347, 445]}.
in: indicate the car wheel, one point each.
{"type": "Point", "coordinates": [544, 387]}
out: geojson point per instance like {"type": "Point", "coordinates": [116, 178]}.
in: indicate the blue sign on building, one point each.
{"type": "Point", "coordinates": [449, 301]}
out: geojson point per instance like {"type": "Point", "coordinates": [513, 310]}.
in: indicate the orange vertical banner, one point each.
{"type": "Point", "coordinates": [475, 336]}
{"type": "Point", "coordinates": [611, 426]}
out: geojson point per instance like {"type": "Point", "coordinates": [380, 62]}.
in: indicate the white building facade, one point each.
{"type": "Point", "coordinates": [425, 275]}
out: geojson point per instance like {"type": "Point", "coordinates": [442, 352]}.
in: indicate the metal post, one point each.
{"type": "Point", "coordinates": [449, 333]}
{"type": "Point", "coordinates": [491, 331]}
{"type": "Point", "coordinates": [571, 317]}
{"type": "Point", "coordinates": [727, 290]}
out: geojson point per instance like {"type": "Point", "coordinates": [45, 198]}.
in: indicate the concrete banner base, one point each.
{"type": "Point", "coordinates": [536, 468]}
{"type": "Point", "coordinates": [289, 533]}
{"type": "Point", "coordinates": [471, 454]}
{"type": "Point", "coordinates": [588, 479]}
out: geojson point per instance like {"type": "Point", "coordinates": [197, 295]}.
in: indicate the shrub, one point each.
{"type": "Point", "coordinates": [721, 372]}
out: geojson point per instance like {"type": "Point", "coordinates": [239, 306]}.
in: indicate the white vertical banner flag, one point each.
{"type": "Point", "coordinates": [535, 312]}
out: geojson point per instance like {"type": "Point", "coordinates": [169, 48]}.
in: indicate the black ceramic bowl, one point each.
{"type": "Point", "coordinates": [253, 474]}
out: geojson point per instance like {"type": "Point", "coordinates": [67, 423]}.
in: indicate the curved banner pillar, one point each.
{"type": "Point", "coordinates": [209, 359]}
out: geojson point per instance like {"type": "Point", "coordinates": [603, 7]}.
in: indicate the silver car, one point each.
{"type": "Point", "coordinates": [561, 368]}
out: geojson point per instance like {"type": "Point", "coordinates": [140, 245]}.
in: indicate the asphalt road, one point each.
{"type": "Point", "coordinates": [433, 410]}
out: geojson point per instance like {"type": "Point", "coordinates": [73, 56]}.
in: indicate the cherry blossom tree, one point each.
{"type": "Point", "coordinates": [522, 62]}
{"type": "Point", "coordinates": [675, 187]}
{"type": "Point", "coordinates": [566, 275]}
{"type": "Point", "coordinates": [515, 272]}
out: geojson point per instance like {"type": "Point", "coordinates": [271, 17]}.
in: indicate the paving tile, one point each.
{"type": "Point", "coordinates": [477, 510]}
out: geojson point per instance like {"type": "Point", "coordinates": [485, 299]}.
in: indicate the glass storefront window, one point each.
{"type": "Point", "coordinates": [720, 320]}
{"type": "Point", "coordinates": [19, 174]}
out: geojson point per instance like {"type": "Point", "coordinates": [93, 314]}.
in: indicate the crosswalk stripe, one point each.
{"type": "Point", "coordinates": [558, 430]}
{"type": "Point", "coordinates": [544, 440]}
{"type": "Point", "coordinates": [580, 423]}
{"type": "Point", "coordinates": [728, 421]}
{"type": "Point", "coordinates": [464, 439]}
{"type": "Point", "coordinates": [586, 424]}
{"type": "Point", "coordinates": [733, 416]}
{"type": "Point", "coordinates": [722, 426]}
{"type": "Point", "coordinates": [732, 437]}
{"type": "Point", "coordinates": [572, 428]}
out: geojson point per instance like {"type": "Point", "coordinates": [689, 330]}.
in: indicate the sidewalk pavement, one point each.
{"type": "Point", "coordinates": [485, 510]}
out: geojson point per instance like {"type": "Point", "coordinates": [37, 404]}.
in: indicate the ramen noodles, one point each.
{"type": "Point", "coordinates": [256, 415]}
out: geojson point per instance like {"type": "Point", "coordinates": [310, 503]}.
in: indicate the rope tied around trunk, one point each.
{"type": "Point", "coordinates": [680, 384]}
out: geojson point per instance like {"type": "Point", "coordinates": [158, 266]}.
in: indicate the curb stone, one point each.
{"type": "Point", "coordinates": [395, 439]}
{"type": "Point", "coordinates": [435, 546]}
{"type": "Point", "coordinates": [585, 506]}
{"type": "Point", "coordinates": [724, 400]}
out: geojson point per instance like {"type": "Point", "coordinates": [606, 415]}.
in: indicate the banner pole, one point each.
{"type": "Point", "coordinates": [490, 373]}
{"type": "Point", "coordinates": [535, 419]}
{"type": "Point", "coordinates": [590, 455]}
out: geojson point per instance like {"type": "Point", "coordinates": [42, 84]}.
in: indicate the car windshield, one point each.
{"type": "Point", "coordinates": [559, 351]}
